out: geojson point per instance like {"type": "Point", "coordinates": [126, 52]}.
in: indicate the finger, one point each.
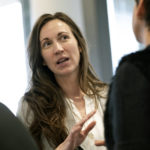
{"type": "Point", "coordinates": [88, 116]}
{"type": "Point", "coordinates": [76, 129]}
{"type": "Point", "coordinates": [99, 143]}
{"type": "Point", "coordinates": [89, 128]}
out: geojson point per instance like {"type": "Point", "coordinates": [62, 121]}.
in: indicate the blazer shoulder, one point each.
{"type": "Point", "coordinates": [137, 57]}
{"type": "Point", "coordinates": [140, 60]}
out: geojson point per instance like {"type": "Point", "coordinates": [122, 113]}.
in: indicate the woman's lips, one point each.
{"type": "Point", "coordinates": [62, 60]}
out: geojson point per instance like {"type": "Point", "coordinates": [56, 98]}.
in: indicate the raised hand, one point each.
{"type": "Point", "coordinates": [77, 135]}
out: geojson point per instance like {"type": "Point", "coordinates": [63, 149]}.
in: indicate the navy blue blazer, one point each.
{"type": "Point", "coordinates": [127, 115]}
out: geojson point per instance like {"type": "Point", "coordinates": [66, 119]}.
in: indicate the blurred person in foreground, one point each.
{"type": "Point", "coordinates": [127, 121]}
{"type": "Point", "coordinates": [13, 135]}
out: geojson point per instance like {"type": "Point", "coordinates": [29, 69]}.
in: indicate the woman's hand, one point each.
{"type": "Point", "coordinates": [77, 135]}
{"type": "Point", "coordinates": [99, 143]}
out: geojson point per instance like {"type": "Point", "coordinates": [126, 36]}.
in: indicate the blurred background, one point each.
{"type": "Point", "coordinates": [106, 25]}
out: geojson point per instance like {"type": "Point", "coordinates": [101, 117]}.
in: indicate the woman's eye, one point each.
{"type": "Point", "coordinates": [46, 44]}
{"type": "Point", "coordinates": [64, 37]}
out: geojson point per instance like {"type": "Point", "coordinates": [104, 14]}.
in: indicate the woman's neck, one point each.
{"type": "Point", "coordinates": [70, 86]}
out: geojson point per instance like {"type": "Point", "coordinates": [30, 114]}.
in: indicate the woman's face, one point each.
{"type": "Point", "coordinates": [59, 48]}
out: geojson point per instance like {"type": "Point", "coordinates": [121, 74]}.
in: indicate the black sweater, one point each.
{"type": "Point", "coordinates": [127, 116]}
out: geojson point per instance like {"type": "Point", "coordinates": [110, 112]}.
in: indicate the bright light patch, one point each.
{"type": "Point", "coordinates": [121, 35]}
{"type": "Point", "coordinates": [13, 75]}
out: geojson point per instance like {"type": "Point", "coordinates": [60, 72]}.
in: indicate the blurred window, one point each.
{"type": "Point", "coordinates": [120, 26]}
{"type": "Point", "coordinates": [13, 74]}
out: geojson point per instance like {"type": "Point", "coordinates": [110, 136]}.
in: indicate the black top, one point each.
{"type": "Point", "coordinates": [13, 135]}
{"type": "Point", "coordinates": [127, 116]}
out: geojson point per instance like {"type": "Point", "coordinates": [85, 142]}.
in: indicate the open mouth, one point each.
{"type": "Point", "coordinates": [62, 60]}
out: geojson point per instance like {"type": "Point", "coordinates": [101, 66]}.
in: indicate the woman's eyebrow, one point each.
{"type": "Point", "coordinates": [60, 33]}
{"type": "Point", "coordinates": [45, 39]}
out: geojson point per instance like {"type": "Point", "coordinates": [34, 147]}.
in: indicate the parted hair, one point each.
{"type": "Point", "coordinates": [45, 97]}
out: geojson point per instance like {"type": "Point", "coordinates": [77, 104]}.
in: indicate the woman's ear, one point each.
{"type": "Point", "coordinates": [141, 9]}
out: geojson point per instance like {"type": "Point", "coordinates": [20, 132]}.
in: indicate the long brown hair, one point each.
{"type": "Point", "coordinates": [45, 97]}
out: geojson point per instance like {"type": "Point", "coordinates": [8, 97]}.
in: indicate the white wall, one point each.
{"type": "Point", "coordinates": [73, 8]}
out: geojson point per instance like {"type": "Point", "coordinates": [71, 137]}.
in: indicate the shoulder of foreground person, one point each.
{"type": "Point", "coordinates": [14, 135]}
{"type": "Point", "coordinates": [140, 59]}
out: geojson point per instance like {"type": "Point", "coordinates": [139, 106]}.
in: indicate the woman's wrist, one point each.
{"type": "Point", "coordinates": [65, 146]}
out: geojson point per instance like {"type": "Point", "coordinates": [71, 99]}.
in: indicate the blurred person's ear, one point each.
{"type": "Point", "coordinates": [140, 9]}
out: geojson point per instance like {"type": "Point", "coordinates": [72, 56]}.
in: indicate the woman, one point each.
{"type": "Point", "coordinates": [64, 88]}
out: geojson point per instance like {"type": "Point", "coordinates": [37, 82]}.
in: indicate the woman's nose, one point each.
{"type": "Point", "coordinates": [58, 48]}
